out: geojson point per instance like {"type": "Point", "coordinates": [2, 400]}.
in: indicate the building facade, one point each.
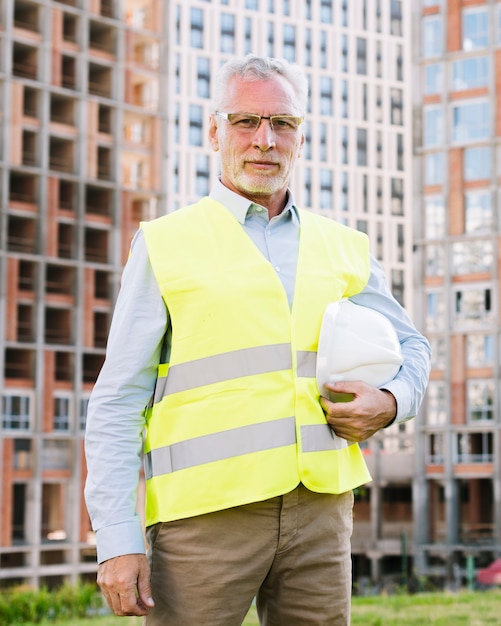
{"type": "Point", "coordinates": [80, 163]}
{"type": "Point", "coordinates": [457, 126]}
{"type": "Point", "coordinates": [104, 118]}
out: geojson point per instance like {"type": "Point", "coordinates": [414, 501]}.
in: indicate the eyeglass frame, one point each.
{"type": "Point", "coordinates": [254, 116]}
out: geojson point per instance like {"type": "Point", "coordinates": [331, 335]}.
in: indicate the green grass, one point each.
{"type": "Point", "coordinates": [429, 609]}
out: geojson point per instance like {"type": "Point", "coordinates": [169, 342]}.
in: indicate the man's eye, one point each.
{"type": "Point", "coordinates": [245, 122]}
{"type": "Point", "coordinates": [284, 123]}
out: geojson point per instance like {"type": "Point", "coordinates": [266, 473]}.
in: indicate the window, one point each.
{"type": "Point", "coordinates": [344, 98]}
{"type": "Point", "coordinates": [475, 28]}
{"type": "Point", "coordinates": [478, 211]}
{"type": "Point", "coordinates": [397, 103]}
{"type": "Point", "coordinates": [477, 163]}
{"type": "Point", "coordinates": [435, 260]}
{"type": "Point", "coordinates": [202, 175]}
{"type": "Point", "coordinates": [434, 217]}
{"type": "Point", "coordinates": [436, 449]}
{"type": "Point", "coordinates": [307, 140]}
{"type": "Point", "coordinates": [326, 189]}
{"type": "Point", "coordinates": [434, 169]}
{"type": "Point", "coordinates": [433, 126]}
{"type": "Point", "coordinates": [16, 412]}
{"type": "Point", "coordinates": [432, 36]}
{"type": "Point", "coordinates": [433, 81]}
{"type": "Point", "coordinates": [326, 11]}
{"type": "Point", "coordinates": [396, 17]}
{"type": "Point", "coordinates": [361, 146]}
{"type": "Point", "coordinates": [344, 53]}
{"type": "Point", "coordinates": [344, 145]}
{"type": "Point", "coordinates": [435, 310]}
{"type": "Point", "coordinates": [227, 33]}
{"type": "Point", "coordinates": [379, 59]}
{"type": "Point", "coordinates": [307, 47]}
{"type": "Point", "coordinates": [438, 352]}
{"type": "Point", "coordinates": [470, 257]}
{"type": "Point", "coordinates": [399, 152]}
{"type": "Point", "coordinates": [248, 35]}
{"type": "Point", "coordinates": [323, 142]}
{"type": "Point", "coordinates": [479, 350]}
{"type": "Point", "coordinates": [472, 307]}
{"type": "Point", "coordinates": [470, 73]}
{"type": "Point", "coordinates": [344, 12]}
{"type": "Point", "coordinates": [203, 77]}
{"type": "Point", "coordinates": [397, 196]}
{"type": "Point", "coordinates": [271, 39]}
{"type": "Point", "coordinates": [344, 191]}
{"type": "Point", "coordinates": [323, 49]}
{"type": "Point", "coordinates": [379, 149]}
{"type": "Point", "coordinates": [398, 283]}
{"type": "Point", "coordinates": [196, 125]}
{"type": "Point", "coordinates": [325, 95]}
{"type": "Point", "coordinates": [361, 55]}
{"type": "Point", "coordinates": [436, 413]}
{"type": "Point", "coordinates": [480, 400]}
{"type": "Point", "coordinates": [196, 28]}
{"type": "Point", "coordinates": [399, 62]}
{"type": "Point", "coordinates": [61, 413]}
{"type": "Point", "coordinates": [474, 448]}
{"type": "Point", "coordinates": [84, 404]}
{"type": "Point", "coordinates": [470, 121]}
{"type": "Point", "coordinates": [289, 47]}
{"type": "Point", "coordinates": [307, 186]}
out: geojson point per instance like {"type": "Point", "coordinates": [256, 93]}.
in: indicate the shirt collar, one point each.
{"type": "Point", "coordinates": [239, 206]}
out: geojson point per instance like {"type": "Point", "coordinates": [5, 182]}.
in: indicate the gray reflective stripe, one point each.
{"type": "Point", "coordinates": [319, 437]}
{"type": "Point", "coordinates": [219, 446]}
{"type": "Point", "coordinates": [306, 364]}
{"type": "Point", "coordinates": [221, 367]}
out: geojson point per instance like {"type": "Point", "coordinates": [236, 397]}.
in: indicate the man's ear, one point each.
{"type": "Point", "coordinates": [213, 138]}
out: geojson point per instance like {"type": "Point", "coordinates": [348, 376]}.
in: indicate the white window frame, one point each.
{"type": "Point", "coordinates": [430, 23]}
{"type": "Point", "coordinates": [460, 138]}
{"type": "Point", "coordinates": [26, 419]}
{"type": "Point", "coordinates": [468, 44]}
{"type": "Point", "coordinates": [480, 71]}
{"type": "Point", "coordinates": [63, 423]}
{"type": "Point", "coordinates": [477, 156]}
{"type": "Point", "coordinates": [467, 255]}
{"type": "Point", "coordinates": [472, 311]}
{"type": "Point", "coordinates": [433, 134]}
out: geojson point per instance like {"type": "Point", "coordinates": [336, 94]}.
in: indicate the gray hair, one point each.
{"type": "Point", "coordinates": [254, 67]}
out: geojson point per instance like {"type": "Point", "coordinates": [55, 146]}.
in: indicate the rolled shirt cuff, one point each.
{"type": "Point", "coordinates": [119, 539]}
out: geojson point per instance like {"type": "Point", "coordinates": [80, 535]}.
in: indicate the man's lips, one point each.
{"type": "Point", "coordinates": [262, 165]}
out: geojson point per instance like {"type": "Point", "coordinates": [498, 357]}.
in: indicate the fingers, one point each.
{"type": "Point", "coordinates": [370, 410]}
{"type": "Point", "coordinates": [124, 582]}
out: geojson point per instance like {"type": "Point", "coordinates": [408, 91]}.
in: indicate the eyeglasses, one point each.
{"type": "Point", "coordinates": [249, 122]}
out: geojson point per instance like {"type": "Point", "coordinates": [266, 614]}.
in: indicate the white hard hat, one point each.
{"type": "Point", "coordinates": [356, 343]}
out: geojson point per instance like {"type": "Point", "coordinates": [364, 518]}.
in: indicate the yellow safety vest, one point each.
{"type": "Point", "coordinates": [235, 416]}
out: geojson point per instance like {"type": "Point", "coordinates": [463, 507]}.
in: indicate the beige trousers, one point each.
{"type": "Point", "coordinates": [292, 553]}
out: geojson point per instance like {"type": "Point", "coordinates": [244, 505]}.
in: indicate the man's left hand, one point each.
{"type": "Point", "coordinates": [370, 410]}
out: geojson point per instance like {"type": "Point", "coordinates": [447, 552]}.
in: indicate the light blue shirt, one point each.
{"type": "Point", "coordinates": [125, 384]}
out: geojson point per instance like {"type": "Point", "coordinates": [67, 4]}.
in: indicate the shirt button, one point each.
{"type": "Point", "coordinates": [277, 268]}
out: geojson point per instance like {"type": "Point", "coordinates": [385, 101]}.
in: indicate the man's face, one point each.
{"type": "Point", "coordinates": [257, 164]}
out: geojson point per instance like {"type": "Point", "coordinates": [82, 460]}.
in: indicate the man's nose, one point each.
{"type": "Point", "coordinates": [264, 137]}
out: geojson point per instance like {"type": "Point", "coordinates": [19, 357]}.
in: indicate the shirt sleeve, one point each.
{"type": "Point", "coordinates": [115, 417]}
{"type": "Point", "coordinates": [409, 385]}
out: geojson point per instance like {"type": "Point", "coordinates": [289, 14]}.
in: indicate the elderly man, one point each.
{"type": "Point", "coordinates": [209, 354]}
